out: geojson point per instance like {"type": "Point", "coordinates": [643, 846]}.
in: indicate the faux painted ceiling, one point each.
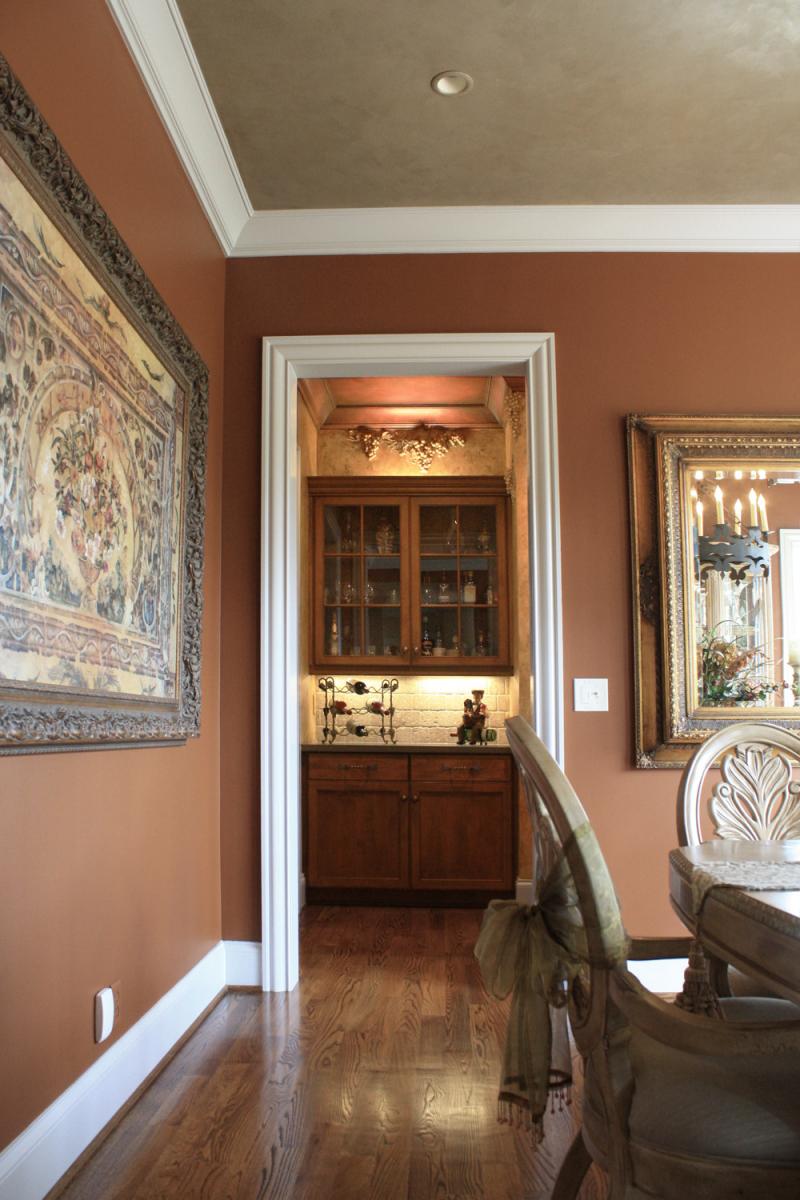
{"type": "Point", "coordinates": [328, 104]}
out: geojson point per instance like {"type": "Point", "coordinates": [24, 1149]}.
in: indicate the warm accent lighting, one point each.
{"type": "Point", "coordinates": [735, 551]}
{"type": "Point", "coordinates": [451, 83]}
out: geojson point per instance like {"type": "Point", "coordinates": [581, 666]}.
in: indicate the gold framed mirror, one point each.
{"type": "Point", "coordinates": [715, 539]}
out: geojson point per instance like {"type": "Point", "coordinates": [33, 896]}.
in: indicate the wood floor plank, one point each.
{"type": "Point", "coordinates": [376, 1079]}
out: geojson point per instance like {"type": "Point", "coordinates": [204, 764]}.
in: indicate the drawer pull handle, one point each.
{"type": "Point", "coordinates": [357, 766]}
{"type": "Point", "coordinates": [464, 770]}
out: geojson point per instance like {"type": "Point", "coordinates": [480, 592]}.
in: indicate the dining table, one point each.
{"type": "Point", "coordinates": [741, 902]}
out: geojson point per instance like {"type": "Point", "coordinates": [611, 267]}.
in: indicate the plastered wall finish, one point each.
{"type": "Point", "coordinates": [634, 333]}
{"type": "Point", "coordinates": [109, 861]}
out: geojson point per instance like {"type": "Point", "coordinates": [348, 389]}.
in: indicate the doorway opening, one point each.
{"type": "Point", "coordinates": [287, 362]}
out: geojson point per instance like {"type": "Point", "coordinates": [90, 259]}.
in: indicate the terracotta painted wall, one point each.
{"type": "Point", "coordinates": [647, 333]}
{"type": "Point", "coordinates": [109, 861]}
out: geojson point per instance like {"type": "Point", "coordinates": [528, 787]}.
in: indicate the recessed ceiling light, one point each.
{"type": "Point", "coordinates": [451, 83]}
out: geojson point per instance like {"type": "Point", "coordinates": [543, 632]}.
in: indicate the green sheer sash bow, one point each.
{"type": "Point", "coordinates": [536, 953]}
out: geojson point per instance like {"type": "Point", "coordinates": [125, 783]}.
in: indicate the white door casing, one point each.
{"type": "Point", "coordinates": [284, 361]}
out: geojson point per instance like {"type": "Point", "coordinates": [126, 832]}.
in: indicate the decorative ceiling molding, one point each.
{"type": "Point", "coordinates": [700, 228]}
{"type": "Point", "coordinates": [156, 37]}
{"type": "Point", "coordinates": [421, 445]}
{"type": "Point", "coordinates": [158, 42]}
{"type": "Point", "coordinates": [514, 405]}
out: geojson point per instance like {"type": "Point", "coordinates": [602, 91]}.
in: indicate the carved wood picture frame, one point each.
{"type": "Point", "coordinates": [103, 428]}
{"type": "Point", "coordinates": [668, 725]}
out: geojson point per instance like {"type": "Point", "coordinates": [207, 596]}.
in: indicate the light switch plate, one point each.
{"type": "Point", "coordinates": [590, 695]}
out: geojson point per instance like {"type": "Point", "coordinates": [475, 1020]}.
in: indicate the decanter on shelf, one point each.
{"type": "Point", "coordinates": [469, 594]}
{"type": "Point", "coordinates": [427, 641]}
{"type": "Point", "coordinates": [444, 590]}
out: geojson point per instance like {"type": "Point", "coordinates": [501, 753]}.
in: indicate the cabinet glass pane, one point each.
{"type": "Point", "coordinates": [342, 525]}
{"type": "Point", "coordinates": [439, 580]}
{"type": "Point", "coordinates": [438, 529]}
{"type": "Point", "coordinates": [342, 631]}
{"type": "Point", "coordinates": [342, 580]}
{"type": "Point", "coordinates": [440, 632]}
{"type": "Point", "coordinates": [479, 632]}
{"type": "Point", "coordinates": [382, 579]}
{"type": "Point", "coordinates": [383, 631]}
{"type": "Point", "coordinates": [478, 580]}
{"type": "Point", "coordinates": [478, 525]}
{"type": "Point", "coordinates": [381, 529]}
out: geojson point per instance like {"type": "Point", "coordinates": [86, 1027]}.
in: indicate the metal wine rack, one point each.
{"type": "Point", "coordinates": [337, 707]}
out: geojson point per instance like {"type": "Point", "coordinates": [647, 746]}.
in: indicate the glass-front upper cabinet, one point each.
{"type": "Point", "coordinates": [361, 615]}
{"type": "Point", "coordinates": [459, 597]}
{"type": "Point", "coordinates": [410, 573]}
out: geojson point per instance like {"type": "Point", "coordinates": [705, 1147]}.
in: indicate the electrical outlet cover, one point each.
{"type": "Point", "coordinates": [590, 695]}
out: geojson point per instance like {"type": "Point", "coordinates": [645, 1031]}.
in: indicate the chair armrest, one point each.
{"type": "Point", "coordinates": [643, 948]}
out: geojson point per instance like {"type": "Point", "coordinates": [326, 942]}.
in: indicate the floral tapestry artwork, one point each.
{"type": "Point", "coordinates": [101, 471]}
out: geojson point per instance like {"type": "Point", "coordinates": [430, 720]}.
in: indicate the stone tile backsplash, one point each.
{"type": "Point", "coordinates": [426, 709]}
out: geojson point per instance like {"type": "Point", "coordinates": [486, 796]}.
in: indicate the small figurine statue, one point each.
{"type": "Point", "coordinates": [384, 536]}
{"type": "Point", "coordinates": [474, 720]}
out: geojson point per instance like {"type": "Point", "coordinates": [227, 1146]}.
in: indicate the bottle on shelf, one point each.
{"type": "Point", "coordinates": [427, 590]}
{"type": "Point", "coordinates": [427, 642]}
{"type": "Point", "coordinates": [356, 728]}
{"type": "Point", "coordinates": [333, 636]}
{"type": "Point", "coordinates": [470, 591]}
{"type": "Point", "coordinates": [490, 592]}
{"type": "Point", "coordinates": [481, 647]}
{"type": "Point", "coordinates": [358, 686]}
{"type": "Point", "coordinates": [444, 590]}
{"type": "Point", "coordinates": [376, 706]}
{"type": "Point", "coordinates": [484, 538]}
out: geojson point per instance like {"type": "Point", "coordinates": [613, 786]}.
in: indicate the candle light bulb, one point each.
{"type": "Point", "coordinates": [700, 518]}
{"type": "Point", "coordinates": [737, 474]}
{"type": "Point", "coordinates": [693, 494]}
{"type": "Point", "coordinates": [737, 523]}
{"type": "Point", "coordinates": [698, 474]}
{"type": "Point", "coordinates": [753, 508]}
{"type": "Point", "coordinates": [762, 510]}
{"type": "Point", "coordinates": [718, 499]}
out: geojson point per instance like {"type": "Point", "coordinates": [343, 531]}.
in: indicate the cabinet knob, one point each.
{"type": "Point", "coordinates": [416, 649]}
{"type": "Point", "coordinates": [404, 649]}
{"type": "Point", "coordinates": [415, 799]}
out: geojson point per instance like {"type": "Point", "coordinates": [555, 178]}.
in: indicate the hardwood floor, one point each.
{"type": "Point", "coordinates": [376, 1079]}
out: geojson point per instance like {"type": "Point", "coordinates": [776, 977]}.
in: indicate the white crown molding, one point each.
{"type": "Point", "coordinates": [580, 228]}
{"type": "Point", "coordinates": [159, 44]}
{"type": "Point", "coordinates": [157, 40]}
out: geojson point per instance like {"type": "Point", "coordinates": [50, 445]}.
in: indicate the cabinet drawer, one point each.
{"type": "Point", "coordinates": [460, 768]}
{"type": "Point", "coordinates": [355, 768]}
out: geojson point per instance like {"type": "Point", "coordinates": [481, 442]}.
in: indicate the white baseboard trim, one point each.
{"type": "Point", "coordinates": [242, 964]}
{"type": "Point", "coordinates": [40, 1155]}
{"type": "Point", "coordinates": [659, 974]}
{"type": "Point", "coordinates": [524, 891]}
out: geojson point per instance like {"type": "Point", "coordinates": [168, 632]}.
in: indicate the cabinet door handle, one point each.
{"type": "Point", "coordinates": [404, 649]}
{"type": "Point", "coordinates": [404, 797]}
{"type": "Point", "coordinates": [415, 799]}
{"type": "Point", "coordinates": [416, 649]}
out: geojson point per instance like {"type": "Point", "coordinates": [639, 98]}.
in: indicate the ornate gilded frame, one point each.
{"type": "Point", "coordinates": [666, 729]}
{"type": "Point", "coordinates": [62, 719]}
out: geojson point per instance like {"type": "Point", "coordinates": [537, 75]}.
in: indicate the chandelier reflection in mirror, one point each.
{"type": "Point", "coordinates": [739, 654]}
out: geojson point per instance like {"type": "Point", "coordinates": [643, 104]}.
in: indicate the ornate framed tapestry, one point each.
{"type": "Point", "coordinates": [103, 418]}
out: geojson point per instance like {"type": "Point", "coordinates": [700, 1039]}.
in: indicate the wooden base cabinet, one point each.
{"type": "Point", "coordinates": [409, 823]}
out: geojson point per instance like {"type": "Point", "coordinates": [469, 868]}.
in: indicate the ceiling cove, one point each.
{"type": "Point", "coordinates": [159, 43]}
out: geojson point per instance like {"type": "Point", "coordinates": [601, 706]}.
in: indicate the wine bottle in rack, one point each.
{"type": "Point", "coordinates": [356, 729]}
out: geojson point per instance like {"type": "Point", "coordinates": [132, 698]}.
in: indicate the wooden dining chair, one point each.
{"type": "Point", "coordinates": [757, 799]}
{"type": "Point", "coordinates": [675, 1105]}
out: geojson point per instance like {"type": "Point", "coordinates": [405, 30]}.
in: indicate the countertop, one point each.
{"type": "Point", "coordinates": [373, 745]}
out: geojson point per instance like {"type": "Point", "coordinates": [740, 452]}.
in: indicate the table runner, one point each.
{"type": "Point", "coordinates": [750, 875]}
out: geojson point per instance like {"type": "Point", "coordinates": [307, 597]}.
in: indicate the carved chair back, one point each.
{"type": "Point", "coordinates": [756, 798]}
{"type": "Point", "coordinates": [561, 826]}
{"type": "Point", "coordinates": [644, 1058]}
